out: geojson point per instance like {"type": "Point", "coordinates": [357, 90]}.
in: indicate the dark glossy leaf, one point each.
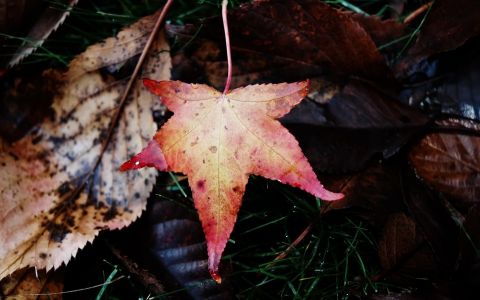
{"type": "Point", "coordinates": [48, 21]}
{"type": "Point", "coordinates": [402, 249]}
{"type": "Point", "coordinates": [302, 34]}
{"type": "Point", "coordinates": [168, 241]}
{"type": "Point", "coordinates": [449, 85]}
{"type": "Point", "coordinates": [353, 117]}
{"type": "Point", "coordinates": [448, 26]}
{"type": "Point", "coordinates": [434, 219]}
{"type": "Point", "coordinates": [33, 285]}
{"type": "Point", "coordinates": [470, 243]}
{"type": "Point", "coordinates": [381, 31]}
{"type": "Point", "coordinates": [450, 163]}
{"type": "Point", "coordinates": [385, 190]}
{"type": "Point", "coordinates": [372, 193]}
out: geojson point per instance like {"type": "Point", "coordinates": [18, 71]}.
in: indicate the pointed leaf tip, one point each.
{"type": "Point", "coordinates": [330, 196]}
{"type": "Point", "coordinates": [216, 277]}
{"type": "Point", "coordinates": [151, 85]}
{"type": "Point", "coordinates": [151, 156]}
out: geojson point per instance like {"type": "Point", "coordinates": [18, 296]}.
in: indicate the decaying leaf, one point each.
{"type": "Point", "coordinates": [381, 31]}
{"type": "Point", "coordinates": [54, 197]}
{"type": "Point", "coordinates": [24, 103]}
{"type": "Point", "coordinates": [433, 218]}
{"type": "Point", "coordinates": [451, 164]}
{"type": "Point", "coordinates": [373, 194]}
{"type": "Point", "coordinates": [49, 21]}
{"type": "Point", "coordinates": [296, 38]}
{"type": "Point", "coordinates": [450, 85]}
{"type": "Point", "coordinates": [26, 284]}
{"type": "Point", "coordinates": [218, 140]}
{"type": "Point", "coordinates": [400, 243]}
{"type": "Point", "coordinates": [448, 26]}
{"type": "Point", "coordinates": [14, 13]}
{"type": "Point", "coordinates": [168, 241]}
{"type": "Point", "coordinates": [356, 116]}
{"type": "Point", "coordinates": [403, 252]}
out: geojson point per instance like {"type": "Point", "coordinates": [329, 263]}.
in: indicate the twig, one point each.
{"type": "Point", "coordinates": [295, 242]}
{"type": "Point", "coordinates": [144, 276]}
{"type": "Point", "coordinates": [123, 99]}
{"type": "Point", "coordinates": [411, 17]}
{"type": "Point", "coordinates": [227, 44]}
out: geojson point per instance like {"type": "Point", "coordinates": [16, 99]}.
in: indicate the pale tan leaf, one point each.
{"type": "Point", "coordinates": [53, 197]}
{"type": "Point", "coordinates": [114, 50]}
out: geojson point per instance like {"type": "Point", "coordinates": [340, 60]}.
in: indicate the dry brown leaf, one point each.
{"type": "Point", "coordinates": [398, 240]}
{"type": "Point", "coordinates": [26, 284]}
{"type": "Point", "coordinates": [449, 25]}
{"type": "Point", "coordinates": [53, 197]}
{"type": "Point", "coordinates": [276, 41]}
{"type": "Point", "coordinates": [381, 31]}
{"type": "Point", "coordinates": [402, 247]}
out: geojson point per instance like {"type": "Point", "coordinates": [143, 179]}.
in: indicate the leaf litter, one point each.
{"type": "Point", "coordinates": [267, 66]}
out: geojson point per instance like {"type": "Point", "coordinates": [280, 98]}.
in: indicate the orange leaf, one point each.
{"type": "Point", "coordinates": [218, 140]}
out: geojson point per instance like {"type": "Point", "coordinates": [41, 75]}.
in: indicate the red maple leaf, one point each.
{"type": "Point", "coordinates": [218, 140]}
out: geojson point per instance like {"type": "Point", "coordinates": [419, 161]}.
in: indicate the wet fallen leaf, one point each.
{"type": "Point", "coordinates": [402, 247]}
{"type": "Point", "coordinates": [384, 190]}
{"type": "Point", "coordinates": [49, 20]}
{"type": "Point", "coordinates": [372, 194]}
{"type": "Point", "coordinates": [448, 26]}
{"type": "Point", "coordinates": [218, 140]}
{"type": "Point", "coordinates": [451, 164]}
{"type": "Point", "coordinates": [355, 116]}
{"type": "Point", "coordinates": [16, 13]}
{"type": "Point", "coordinates": [434, 220]}
{"type": "Point", "coordinates": [172, 246]}
{"type": "Point", "coordinates": [54, 197]}
{"type": "Point", "coordinates": [449, 85]}
{"type": "Point", "coordinates": [26, 284]}
{"type": "Point", "coordinates": [381, 31]}
{"type": "Point", "coordinates": [25, 102]}
{"type": "Point", "coordinates": [288, 38]}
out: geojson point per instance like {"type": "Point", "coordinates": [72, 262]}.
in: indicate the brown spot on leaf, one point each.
{"type": "Point", "coordinates": [110, 214]}
{"type": "Point", "coordinates": [63, 189]}
{"type": "Point", "coordinates": [213, 149]}
{"type": "Point", "coordinates": [58, 232]}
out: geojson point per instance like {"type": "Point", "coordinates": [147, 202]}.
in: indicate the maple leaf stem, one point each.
{"type": "Point", "coordinates": [227, 45]}
{"type": "Point", "coordinates": [411, 17]}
